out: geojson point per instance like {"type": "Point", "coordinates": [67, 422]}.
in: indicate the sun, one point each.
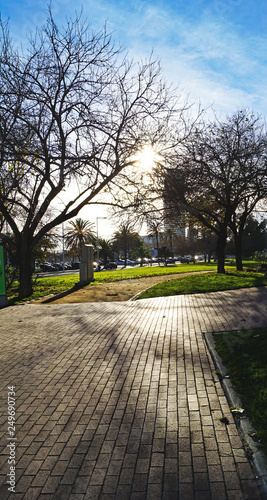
{"type": "Point", "coordinates": [147, 158]}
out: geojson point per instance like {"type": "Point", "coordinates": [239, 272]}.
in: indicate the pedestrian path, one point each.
{"type": "Point", "coordinates": [121, 400]}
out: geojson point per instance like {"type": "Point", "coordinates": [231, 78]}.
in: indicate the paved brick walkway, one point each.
{"type": "Point", "coordinates": [121, 401]}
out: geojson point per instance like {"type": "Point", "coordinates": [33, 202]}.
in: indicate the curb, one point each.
{"type": "Point", "coordinates": [258, 460]}
{"type": "Point", "coordinates": [134, 297]}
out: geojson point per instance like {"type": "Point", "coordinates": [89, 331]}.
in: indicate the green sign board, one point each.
{"type": "Point", "coordinates": [2, 272]}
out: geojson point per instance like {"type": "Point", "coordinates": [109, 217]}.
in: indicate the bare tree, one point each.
{"type": "Point", "coordinates": [217, 176]}
{"type": "Point", "coordinates": [73, 113]}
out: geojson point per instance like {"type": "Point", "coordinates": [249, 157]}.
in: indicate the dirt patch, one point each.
{"type": "Point", "coordinates": [116, 291]}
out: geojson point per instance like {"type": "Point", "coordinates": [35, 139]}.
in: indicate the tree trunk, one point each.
{"type": "Point", "coordinates": [157, 243]}
{"type": "Point", "coordinates": [237, 231]}
{"type": "Point", "coordinates": [220, 249]}
{"type": "Point", "coordinates": [125, 254]}
{"type": "Point", "coordinates": [238, 236]}
{"type": "Point", "coordinates": [238, 252]}
{"type": "Point", "coordinates": [25, 268]}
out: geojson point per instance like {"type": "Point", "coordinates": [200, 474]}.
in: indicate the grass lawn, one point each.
{"type": "Point", "coordinates": [58, 284]}
{"type": "Point", "coordinates": [191, 284]}
{"type": "Point", "coordinates": [244, 353]}
{"type": "Point", "coordinates": [147, 271]}
{"type": "Point", "coordinates": [212, 282]}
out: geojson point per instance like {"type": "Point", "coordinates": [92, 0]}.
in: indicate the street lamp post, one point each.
{"type": "Point", "coordinates": [63, 247]}
{"type": "Point", "coordinates": [97, 245]}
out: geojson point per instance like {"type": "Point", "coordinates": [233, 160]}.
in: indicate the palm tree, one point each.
{"type": "Point", "coordinates": [164, 253]}
{"type": "Point", "coordinates": [78, 233]}
{"type": "Point", "coordinates": [105, 249]}
{"type": "Point", "coordinates": [155, 230]}
{"type": "Point", "coordinates": [126, 238]}
{"type": "Point", "coordinates": [142, 252]}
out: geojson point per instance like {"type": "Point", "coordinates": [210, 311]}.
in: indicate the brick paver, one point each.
{"type": "Point", "coordinates": [121, 400]}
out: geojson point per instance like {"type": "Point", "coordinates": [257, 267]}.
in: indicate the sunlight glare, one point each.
{"type": "Point", "coordinates": [147, 158]}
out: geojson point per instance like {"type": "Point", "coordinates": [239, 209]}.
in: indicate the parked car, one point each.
{"type": "Point", "coordinates": [131, 262]}
{"type": "Point", "coordinates": [186, 260]}
{"type": "Point", "coordinates": [111, 265]}
{"type": "Point", "coordinates": [58, 267]}
{"type": "Point", "coordinates": [75, 265]}
{"type": "Point", "coordinates": [67, 266]}
{"type": "Point", "coordinates": [46, 267]}
{"type": "Point", "coordinates": [170, 261]}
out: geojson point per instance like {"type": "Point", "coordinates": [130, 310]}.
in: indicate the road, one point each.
{"type": "Point", "coordinates": [76, 271]}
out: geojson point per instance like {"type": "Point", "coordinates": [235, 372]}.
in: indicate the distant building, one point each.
{"type": "Point", "coordinates": [178, 227]}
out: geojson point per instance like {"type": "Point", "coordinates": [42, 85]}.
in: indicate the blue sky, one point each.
{"type": "Point", "coordinates": [212, 50]}
{"type": "Point", "coordinates": [215, 51]}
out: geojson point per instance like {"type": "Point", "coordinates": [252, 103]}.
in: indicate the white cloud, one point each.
{"type": "Point", "coordinates": [216, 62]}
{"type": "Point", "coordinates": [209, 60]}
